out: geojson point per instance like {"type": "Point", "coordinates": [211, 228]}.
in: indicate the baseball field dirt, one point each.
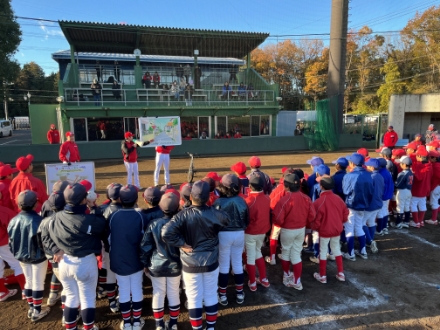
{"type": "Point", "coordinates": [398, 288]}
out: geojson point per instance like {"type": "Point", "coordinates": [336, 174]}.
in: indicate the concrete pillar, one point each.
{"type": "Point", "coordinates": [396, 113]}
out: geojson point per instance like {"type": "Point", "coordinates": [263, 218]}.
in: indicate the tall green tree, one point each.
{"type": "Point", "coordinates": [393, 85]}
{"type": "Point", "coordinates": [10, 38]}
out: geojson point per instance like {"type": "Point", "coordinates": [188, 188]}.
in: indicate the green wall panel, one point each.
{"type": "Point", "coordinates": [41, 116]}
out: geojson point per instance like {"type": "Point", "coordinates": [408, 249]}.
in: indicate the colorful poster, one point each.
{"type": "Point", "coordinates": [71, 173]}
{"type": "Point", "coordinates": [164, 131]}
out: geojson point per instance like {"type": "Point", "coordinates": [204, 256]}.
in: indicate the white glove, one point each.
{"type": "Point", "coordinates": [65, 162]}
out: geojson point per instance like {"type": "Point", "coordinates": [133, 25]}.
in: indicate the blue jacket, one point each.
{"type": "Point", "coordinates": [338, 177]}
{"type": "Point", "coordinates": [316, 192]}
{"type": "Point", "coordinates": [405, 180]}
{"type": "Point", "coordinates": [126, 228]}
{"type": "Point", "coordinates": [378, 185]}
{"type": "Point", "coordinates": [311, 181]}
{"type": "Point", "coordinates": [358, 189]}
{"type": "Point", "coordinates": [24, 241]}
{"type": "Point", "coordinates": [388, 184]}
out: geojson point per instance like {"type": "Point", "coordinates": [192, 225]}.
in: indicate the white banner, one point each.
{"type": "Point", "coordinates": [165, 131]}
{"type": "Point", "coordinates": [71, 173]}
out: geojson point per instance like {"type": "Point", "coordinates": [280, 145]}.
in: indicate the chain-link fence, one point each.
{"type": "Point", "coordinates": [372, 127]}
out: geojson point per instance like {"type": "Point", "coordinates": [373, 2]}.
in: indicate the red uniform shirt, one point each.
{"type": "Point", "coordinates": [435, 176]}
{"type": "Point", "coordinates": [276, 195]}
{"type": "Point", "coordinates": [293, 211]}
{"type": "Point", "coordinates": [331, 213]}
{"type": "Point", "coordinates": [6, 195]}
{"type": "Point", "coordinates": [69, 152]}
{"type": "Point", "coordinates": [53, 136]}
{"type": "Point", "coordinates": [26, 181]}
{"type": "Point", "coordinates": [132, 156]}
{"type": "Point", "coordinates": [212, 198]}
{"type": "Point", "coordinates": [422, 179]}
{"type": "Point", "coordinates": [6, 216]}
{"type": "Point", "coordinates": [259, 213]}
{"type": "Point", "coordinates": [390, 139]}
{"type": "Point", "coordinates": [165, 150]}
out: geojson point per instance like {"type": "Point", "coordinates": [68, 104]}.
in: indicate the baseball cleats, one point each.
{"type": "Point", "coordinates": [340, 277]}
{"type": "Point", "coordinates": [270, 261]}
{"type": "Point", "coordinates": [139, 325]}
{"type": "Point", "coordinates": [114, 306]}
{"type": "Point", "coordinates": [381, 233]}
{"type": "Point", "coordinates": [101, 293]}
{"type": "Point", "coordinates": [414, 224]}
{"type": "Point", "coordinates": [53, 298]}
{"type": "Point", "coordinates": [252, 286]}
{"type": "Point", "coordinates": [37, 316]}
{"type": "Point", "coordinates": [348, 256]}
{"type": "Point", "coordinates": [331, 257]}
{"type": "Point", "coordinates": [314, 259]}
{"type": "Point", "coordinates": [126, 326]}
{"type": "Point", "coordinates": [223, 300]}
{"type": "Point", "coordinates": [405, 225]}
{"type": "Point", "coordinates": [298, 286]}
{"type": "Point", "coordinates": [319, 278]}
{"type": "Point", "coordinates": [264, 282]}
{"type": "Point", "coordinates": [30, 312]}
{"type": "Point", "coordinates": [362, 255]}
{"type": "Point", "coordinates": [373, 247]}
{"type": "Point", "coordinates": [240, 298]}
{"type": "Point", "coordinates": [6, 295]}
{"type": "Point", "coordinates": [385, 231]}
{"type": "Point", "coordinates": [399, 226]}
{"type": "Point", "coordinates": [288, 280]}
{"type": "Point", "coordinates": [432, 222]}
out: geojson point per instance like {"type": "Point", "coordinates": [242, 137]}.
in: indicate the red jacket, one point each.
{"type": "Point", "coordinates": [6, 196]}
{"type": "Point", "coordinates": [293, 211]}
{"type": "Point", "coordinates": [212, 198]}
{"type": "Point", "coordinates": [165, 150]}
{"type": "Point", "coordinates": [6, 216]}
{"type": "Point", "coordinates": [69, 152]}
{"type": "Point", "coordinates": [331, 213]}
{"type": "Point", "coordinates": [435, 176]}
{"type": "Point", "coordinates": [259, 213]}
{"type": "Point", "coordinates": [276, 195]}
{"type": "Point", "coordinates": [422, 179]}
{"type": "Point", "coordinates": [390, 139]}
{"type": "Point", "coordinates": [53, 136]}
{"type": "Point", "coordinates": [132, 156]}
{"type": "Point", "coordinates": [27, 181]}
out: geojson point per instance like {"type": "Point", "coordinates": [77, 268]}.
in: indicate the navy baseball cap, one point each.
{"type": "Point", "coordinates": [257, 181]}
{"type": "Point", "coordinates": [128, 194]}
{"type": "Point", "coordinates": [60, 186]}
{"type": "Point", "coordinates": [315, 161]}
{"type": "Point", "coordinates": [326, 181]}
{"type": "Point", "coordinates": [322, 170]}
{"type": "Point", "coordinates": [357, 159]}
{"type": "Point", "coordinates": [200, 190]}
{"type": "Point", "coordinates": [27, 198]}
{"type": "Point", "coordinates": [341, 161]}
{"type": "Point", "coordinates": [152, 195]}
{"type": "Point", "coordinates": [185, 190]}
{"type": "Point", "coordinates": [373, 162]}
{"type": "Point", "coordinates": [229, 180]}
{"type": "Point", "coordinates": [56, 200]}
{"type": "Point", "coordinates": [169, 203]}
{"type": "Point", "coordinates": [382, 162]}
{"type": "Point", "coordinates": [293, 179]}
{"type": "Point", "coordinates": [113, 190]}
{"type": "Point", "coordinates": [74, 194]}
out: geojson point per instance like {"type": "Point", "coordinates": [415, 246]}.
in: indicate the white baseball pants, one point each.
{"type": "Point", "coordinates": [433, 198]}
{"type": "Point", "coordinates": [418, 204]}
{"type": "Point", "coordinates": [253, 247]}
{"type": "Point", "coordinates": [165, 286]}
{"type": "Point", "coordinates": [403, 200]}
{"type": "Point", "coordinates": [353, 227]}
{"type": "Point", "coordinates": [35, 275]}
{"type": "Point", "coordinates": [384, 210]}
{"type": "Point", "coordinates": [132, 170]}
{"type": "Point", "coordinates": [369, 219]}
{"type": "Point", "coordinates": [291, 243]}
{"type": "Point", "coordinates": [165, 160]}
{"type": "Point", "coordinates": [231, 247]}
{"type": "Point", "coordinates": [130, 287]}
{"type": "Point", "coordinates": [6, 255]}
{"type": "Point", "coordinates": [334, 246]}
{"type": "Point", "coordinates": [79, 277]}
{"type": "Point", "coordinates": [201, 287]}
{"type": "Point", "coordinates": [111, 277]}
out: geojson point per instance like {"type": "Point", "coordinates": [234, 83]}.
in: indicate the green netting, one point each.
{"type": "Point", "coordinates": [321, 134]}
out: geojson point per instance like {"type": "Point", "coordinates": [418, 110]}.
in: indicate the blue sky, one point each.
{"type": "Point", "coordinates": [277, 17]}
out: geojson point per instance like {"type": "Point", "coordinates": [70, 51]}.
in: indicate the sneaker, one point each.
{"type": "Point", "coordinates": [381, 233]}
{"type": "Point", "coordinates": [413, 224]}
{"type": "Point", "coordinates": [340, 277]}
{"type": "Point", "coordinates": [298, 286]}
{"type": "Point", "coordinates": [36, 316]}
{"type": "Point", "coordinates": [167, 326]}
{"type": "Point", "coordinates": [264, 282]}
{"type": "Point", "coordinates": [138, 325]}
{"type": "Point", "coordinates": [399, 226]}
{"type": "Point", "coordinates": [405, 225]}
{"type": "Point", "coordinates": [270, 261]}
{"type": "Point", "coordinates": [314, 259]}
{"type": "Point", "coordinates": [373, 247]}
{"type": "Point", "coordinates": [319, 278]}
{"type": "Point", "coordinates": [6, 295]}
{"type": "Point", "coordinates": [331, 257]}
{"type": "Point", "coordinates": [393, 225]}
{"type": "Point", "coordinates": [288, 280]}
{"type": "Point", "coordinates": [53, 298]}
{"type": "Point", "coordinates": [432, 222]}
{"type": "Point", "coordinates": [114, 306]}
{"type": "Point", "coordinates": [422, 223]}
{"type": "Point", "coordinates": [348, 256]}
{"type": "Point", "coordinates": [252, 286]}
{"type": "Point", "coordinates": [101, 293]}
{"type": "Point", "coordinates": [240, 298]}
{"type": "Point", "coordinates": [223, 300]}
{"type": "Point", "coordinates": [385, 231]}
{"type": "Point", "coordinates": [362, 255]}
{"type": "Point", "coordinates": [31, 311]}
{"type": "Point", "coordinates": [124, 326]}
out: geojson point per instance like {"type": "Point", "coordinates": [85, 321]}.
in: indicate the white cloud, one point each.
{"type": "Point", "coordinates": [46, 27]}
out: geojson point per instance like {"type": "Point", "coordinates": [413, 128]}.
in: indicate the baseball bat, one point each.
{"type": "Point", "coordinates": [139, 143]}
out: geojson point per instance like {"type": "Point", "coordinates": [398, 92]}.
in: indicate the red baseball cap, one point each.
{"type": "Point", "coordinates": [70, 134]}
{"type": "Point", "coordinates": [433, 144]}
{"type": "Point", "coordinates": [364, 152]}
{"type": "Point", "coordinates": [398, 152]}
{"type": "Point", "coordinates": [421, 151]}
{"type": "Point", "coordinates": [239, 168]}
{"type": "Point", "coordinates": [214, 176]}
{"type": "Point", "coordinates": [254, 161]}
{"type": "Point", "coordinates": [23, 163]}
{"type": "Point", "coordinates": [6, 170]}
{"type": "Point", "coordinates": [128, 134]}
{"type": "Point", "coordinates": [433, 153]}
{"type": "Point", "coordinates": [411, 145]}
{"type": "Point", "coordinates": [86, 184]}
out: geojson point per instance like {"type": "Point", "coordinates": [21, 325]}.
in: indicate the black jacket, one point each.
{"type": "Point", "coordinates": [161, 259]}
{"type": "Point", "coordinates": [107, 212]}
{"type": "Point", "coordinates": [198, 227]}
{"type": "Point", "coordinates": [237, 210]}
{"type": "Point", "coordinates": [151, 214]}
{"type": "Point", "coordinates": [24, 240]}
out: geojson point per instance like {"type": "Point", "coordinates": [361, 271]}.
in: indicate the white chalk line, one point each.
{"type": "Point", "coordinates": [8, 142]}
{"type": "Point", "coordinates": [417, 238]}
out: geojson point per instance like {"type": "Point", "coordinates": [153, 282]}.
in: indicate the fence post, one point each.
{"type": "Point", "coordinates": [379, 124]}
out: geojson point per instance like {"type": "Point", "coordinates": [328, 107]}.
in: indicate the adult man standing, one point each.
{"type": "Point", "coordinates": [69, 152]}
{"type": "Point", "coordinates": [162, 157]}
{"type": "Point", "coordinates": [390, 138]}
{"type": "Point", "coordinates": [26, 181]}
{"type": "Point", "coordinates": [53, 136]}
{"type": "Point", "coordinates": [430, 134]}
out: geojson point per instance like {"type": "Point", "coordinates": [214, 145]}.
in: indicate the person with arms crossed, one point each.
{"type": "Point", "coordinates": [53, 136]}
{"type": "Point", "coordinates": [390, 138]}
{"type": "Point", "coordinates": [69, 152]}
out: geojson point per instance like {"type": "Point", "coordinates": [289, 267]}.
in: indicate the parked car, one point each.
{"type": "Point", "coordinates": [5, 128]}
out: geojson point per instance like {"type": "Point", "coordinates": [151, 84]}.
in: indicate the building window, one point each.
{"type": "Point", "coordinates": [260, 125]}
{"type": "Point", "coordinates": [204, 126]}
{"type": "Point", "coordinates": [241, 124]}
{"type": "Point", "coordinates": [221, 126]}
{"type": "Point", "coordinates": [188, 126]}
{"type": "Point", "coordinates": [101, 129]}
{"type": "Point", "coordinates": [79, 128]}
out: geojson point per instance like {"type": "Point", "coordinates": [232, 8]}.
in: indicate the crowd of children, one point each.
{"type": "Point", "coordinates": [191, 237]}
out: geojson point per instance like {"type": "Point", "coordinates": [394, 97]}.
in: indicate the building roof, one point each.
{"type": "Point", "coordinates": [65, 54]}
{"type": "Point", "coordinates": [124, 39]}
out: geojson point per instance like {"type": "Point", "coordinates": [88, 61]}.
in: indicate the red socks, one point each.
{"type": "Point", "coordinates": [415, 217]}
{"type": "Point", "coordinates": [21, 280]}
{"type": "Point", "coordinates": [338, 260]}
{"type": "Point", "coordinates": [297, 271]}
{"type": "Point", "coordinates": [286, 266]}
{"type": "Point", "coordinates": [422, 216]}
{"type": "Point", "coordinates": [322, 267]}
{"type": "Point", "coordinates": [273, 247]}
{"type": "Point", "coordinates": [251, 270]}
{"type": "Point", "coordinates": [261, 268]}
{"type": "Point", "coordinates": [434, 214]}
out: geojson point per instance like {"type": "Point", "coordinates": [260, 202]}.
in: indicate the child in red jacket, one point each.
{"type": "Point", "coordinates": [331, 213]}
{"type": "Point", "coordinates": [435, 187]}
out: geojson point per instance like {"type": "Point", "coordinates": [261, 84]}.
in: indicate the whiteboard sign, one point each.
{"type": "Point", "coordinates": [72, 173]}
{"type": "Point", "coordinates": [165, 131]}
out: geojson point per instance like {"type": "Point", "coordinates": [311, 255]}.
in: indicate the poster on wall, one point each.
{"type": "Point", "coordinates": [164, 131]}
{"type": "Point", "coordinates": [73, 173]}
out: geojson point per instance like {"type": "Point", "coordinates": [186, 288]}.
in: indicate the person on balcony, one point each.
{"type": "Point", "coordinates": [187, 72]}
{"type": "Point", "coordinates": [117, 71]}
{"type": "Point", "coordinates": [182, 84]}
{"type": "Point", "coordinates": [156, 80]}
{"type": "Point", "coordinates": [96, 91]}
{"type": "Point", "coordinates": [175, 90]}
{"type": "Point", "coordinates": [242, 91]}
{"type": "Point", "coordinates": [146, 80]}
{"type": "Point", "coordinates": [233, 74]}
{"type": "Point", "coordinates": [116, 90]}
{"type": "Point", "coordinates": [179, 71]}
{"type": "Point", "coordinates": [226, 91]}
{"type": "Point", "coordinates": [188, 95]}
{"type": "Point", "coordinates": [98, 70]}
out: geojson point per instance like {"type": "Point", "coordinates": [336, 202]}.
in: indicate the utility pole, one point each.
{"type": "Point", "coordinates": [5, 99]}
{"type": "Point", "coordinates": [338, 48]}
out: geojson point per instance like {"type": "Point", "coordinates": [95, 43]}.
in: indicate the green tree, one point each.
{"type": "Point", "coordinates": [392, 85]}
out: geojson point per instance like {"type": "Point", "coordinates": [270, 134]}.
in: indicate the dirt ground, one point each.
{"type": "Point", "coordinates": [398, 288]}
